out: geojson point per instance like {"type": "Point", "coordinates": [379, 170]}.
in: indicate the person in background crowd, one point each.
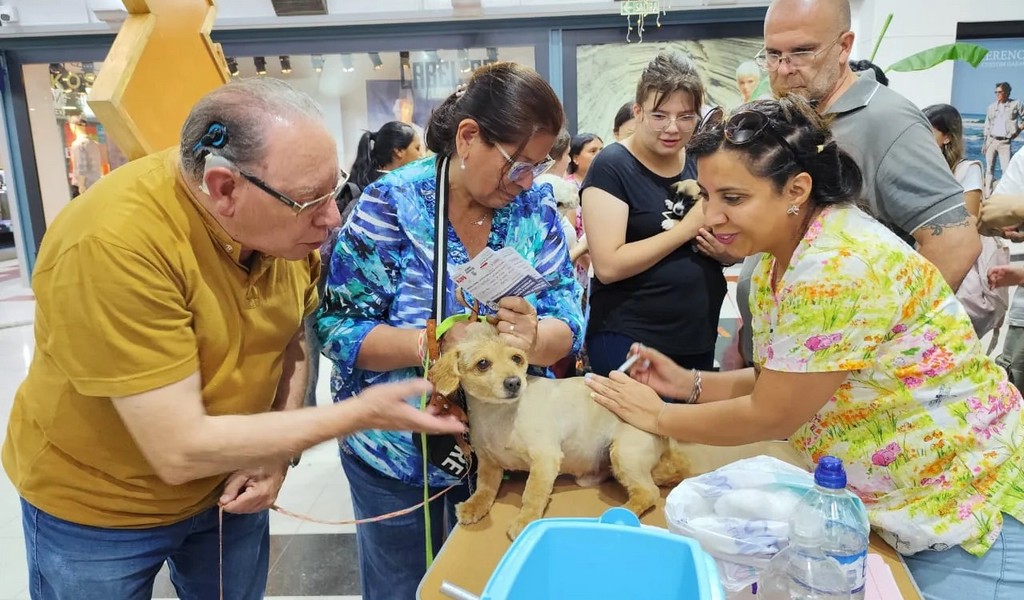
{"type": "Point", "coordinates": [382, 151]}
{"type": "Point", "coordinates": [862, 352]}
{"type": "Point", "coordinates": [1003, 214]}
{"type": "Point", "coordinates": [748, 76]}
{"type": "Point", "coordinates": [948, 129]}
{"type": "Point", "coordinates": [643, 272]}
{"type": "Point", "coordinates": [582, 150]}
{"type": "Point", "coordinates": [170, 364]}
{"type": "Point", "coordinates": [493, 138]}
{"type": "Point", "coordinates": [1002, 126]}
{"type": "Point", "coordinates": [625, 123]}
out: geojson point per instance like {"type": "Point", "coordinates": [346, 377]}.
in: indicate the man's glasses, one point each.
{"type": "Point", "coordinates": [518, 169]}
{"type": "Point", "coordinates": [660, 122]}
{"type": "Point", "coordinates": [1000, 91]}
{"type": "Point", "coordinates": [772, 60]}
{"type": "Point", "coordinates": [212, 160]}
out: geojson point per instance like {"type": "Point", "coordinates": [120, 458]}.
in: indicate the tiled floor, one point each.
{"type": "Point", "coordinates": [310, 560]}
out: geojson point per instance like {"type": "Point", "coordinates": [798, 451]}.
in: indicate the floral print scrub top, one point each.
{"type": "Point", "coordinates": [927, 425]}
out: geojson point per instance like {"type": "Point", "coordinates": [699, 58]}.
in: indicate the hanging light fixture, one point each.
{"type": "Point", "coordinates": [232, 66]}
{"type": "Point", "coordinates": [492, 54]}
{"type": "Point", "coordinates": [286, 64]}
{"type": "Point", "coordinates": [346, 63]}
{"type": "Point", "coordinates": [261, 65]}
{"type": "Point", "coordinates": [318, 62]}
{"type": "Point", "coordinates": [378, 64]}
{"type": "Point", "coordinates": [465, 65]}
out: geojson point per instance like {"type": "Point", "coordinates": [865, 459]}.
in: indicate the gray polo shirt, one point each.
{"type": "Point", "coordinates": [907, 182]}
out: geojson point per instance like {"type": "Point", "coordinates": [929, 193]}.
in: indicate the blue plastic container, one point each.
{"type": "Point", "coordinates": [611, 558]}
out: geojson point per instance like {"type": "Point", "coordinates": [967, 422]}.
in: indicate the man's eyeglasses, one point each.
{"type": "Point", "coordinates": [212, 160]}
{"type": "Point", "coordinates": [660, 122]}
{"type": "Point", "coordinates": [772, 60]}
{"type": "Point", "coordinates": [518, 169]}
{"type": "Point", "coordinates": [1000, 91]}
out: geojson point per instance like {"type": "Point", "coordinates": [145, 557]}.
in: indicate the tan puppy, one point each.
{"type": "Point", "coordinates": [547, 427]}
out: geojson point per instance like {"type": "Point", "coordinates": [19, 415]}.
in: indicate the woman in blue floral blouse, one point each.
{"type": "Point", "coordinates": [494, 134]}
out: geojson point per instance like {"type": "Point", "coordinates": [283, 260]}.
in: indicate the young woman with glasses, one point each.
{"type": "Point", "coordinates": [491, 138]}
{"type": "Point", "coordinates": [644, 273]}
{"type": "Point", "coordinates": [862, 352]}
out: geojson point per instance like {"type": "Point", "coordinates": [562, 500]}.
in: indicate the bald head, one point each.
{"type": "Point", "coordinates": [834, 13]}
{"type": "Point", "coordinates": [810, 42]}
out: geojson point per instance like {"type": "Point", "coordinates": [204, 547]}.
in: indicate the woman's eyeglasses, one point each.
{"type": "Point", "coordinates": [212, 160]}
{"type": "Point", "coordinates": [745, 127]}
{"type": "Point", "coordinates": [660, 122]}
{"type": "Point", "coordinates": [518, 169]}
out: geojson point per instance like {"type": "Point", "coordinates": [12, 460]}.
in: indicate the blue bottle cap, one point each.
{"type": "Point", "coordinates": [830, 473]}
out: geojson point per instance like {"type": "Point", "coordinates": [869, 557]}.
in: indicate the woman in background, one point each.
{"type": "Point", "coordinates": [582, 150]}
{"type": "Point", "coordinates": [625, 123]}
{"type": "Point", "coordinates": [948, 127]}
{"type": "Point", "coordinates": [384, 150]}
{"type": "Point", "coordinates": [650, 284]}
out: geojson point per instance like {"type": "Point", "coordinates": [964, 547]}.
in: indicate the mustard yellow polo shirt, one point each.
{"type": "Point", "coordinates": [137, 287]}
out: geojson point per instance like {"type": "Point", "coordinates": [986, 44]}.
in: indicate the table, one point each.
{"type": "Point", "coordinates": [472, 552]}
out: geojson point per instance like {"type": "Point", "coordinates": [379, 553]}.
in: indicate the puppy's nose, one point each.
{"type": "Point", "coordinates": [512, 384]}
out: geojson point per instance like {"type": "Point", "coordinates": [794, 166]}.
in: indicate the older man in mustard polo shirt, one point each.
{"type": "Point", "coordinates": [169, 352]}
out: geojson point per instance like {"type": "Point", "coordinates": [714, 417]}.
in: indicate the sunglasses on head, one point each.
{"type": "Point", "coordinates": [745, 127]}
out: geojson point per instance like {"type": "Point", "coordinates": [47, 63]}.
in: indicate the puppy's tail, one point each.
{"type": "Point", "coordinates": [673, 466]}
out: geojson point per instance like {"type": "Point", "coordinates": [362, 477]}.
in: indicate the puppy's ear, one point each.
{"type": "Point", "coordinates": [445, 373]}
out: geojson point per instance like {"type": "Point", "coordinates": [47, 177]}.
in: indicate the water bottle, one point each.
{"type": "Point", "coordinates": [829, 528]}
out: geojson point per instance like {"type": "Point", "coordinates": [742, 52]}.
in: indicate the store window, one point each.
{"type": "Point", "coordinates": [72, 149]}
{"type": "Point", "coordinates": [607, 75]}
{"type": "Point", "coordinates": [362, 91]}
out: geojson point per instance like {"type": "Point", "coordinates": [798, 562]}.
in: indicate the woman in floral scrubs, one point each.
{"type": "Point", "coordinates": [862, 352]}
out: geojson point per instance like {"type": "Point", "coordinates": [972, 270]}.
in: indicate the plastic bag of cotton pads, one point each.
{"type": "Point", "coordinates": [739, 513]}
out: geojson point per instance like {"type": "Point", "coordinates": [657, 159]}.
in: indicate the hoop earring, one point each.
{"type": "Point", "coordinates": [793, 209]}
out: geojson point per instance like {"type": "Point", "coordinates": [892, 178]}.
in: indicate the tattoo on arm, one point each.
{"type": "Point", "coordinates": [958, 217]}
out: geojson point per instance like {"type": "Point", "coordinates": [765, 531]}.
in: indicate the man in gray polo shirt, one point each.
{"type": "Point", "coordinates": [907, 184]}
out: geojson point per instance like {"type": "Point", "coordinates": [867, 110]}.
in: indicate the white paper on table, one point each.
{"type": "Point", "coordinates": [491, 276]}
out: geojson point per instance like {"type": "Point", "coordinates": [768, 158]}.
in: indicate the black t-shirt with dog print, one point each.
{"type": "Point", "coordinates": [674, 305]}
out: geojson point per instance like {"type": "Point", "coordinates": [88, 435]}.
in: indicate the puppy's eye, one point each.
{"type": "Point", "coordinates": [518, 359]}
{"type": "Point", "coordinates": [483, 364]}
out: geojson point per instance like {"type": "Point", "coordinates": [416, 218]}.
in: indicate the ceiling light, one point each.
{"type": "Point", "coordinates": [403, 58]}
{"type": "Point", "coordinates": [261, 65]}
{"type": "Point", "coordinates": [286, 64]}
{"type": "Point", "coordinates": [377, 62]}
{"type": "Point", "coordinates": [465, 65]}
{"type": "Point", "coordinates": [346, 63]}
{"type": "Point", "coordinates": [318, 62]}
{"type": "Point", "coordinates": [492, 55]}
{"type": "Point", "coordinates": [232, 66]}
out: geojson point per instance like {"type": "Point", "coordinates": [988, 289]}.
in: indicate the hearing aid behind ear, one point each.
{"type": "Point", "coordinates": [212, 161]}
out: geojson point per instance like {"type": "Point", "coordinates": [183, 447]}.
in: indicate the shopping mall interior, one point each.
{"type": "Point", "coordinates": [366, 63]}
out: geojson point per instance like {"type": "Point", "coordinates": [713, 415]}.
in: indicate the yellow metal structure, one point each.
{"type": "Point", "coordinates": [162, 61]}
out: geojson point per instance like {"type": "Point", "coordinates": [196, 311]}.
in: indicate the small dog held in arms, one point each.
{"type": "Point", "coordinates": [547, 427]}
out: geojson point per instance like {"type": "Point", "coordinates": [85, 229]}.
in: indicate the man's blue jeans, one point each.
{"type": "Point", "coordinates": [67, 561]}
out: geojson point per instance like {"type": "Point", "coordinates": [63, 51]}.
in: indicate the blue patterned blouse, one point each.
{"type": "Point", "coordinates": [381, 272]}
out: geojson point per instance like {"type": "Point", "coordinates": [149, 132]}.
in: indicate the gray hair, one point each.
{"type": "Point", "coordinates": [243, 107]}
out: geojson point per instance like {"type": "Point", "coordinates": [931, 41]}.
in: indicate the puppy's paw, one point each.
{"type": "Point", "coordinates": [472, 510]}
{"type": "Point", "coordinates": [518, 525]}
